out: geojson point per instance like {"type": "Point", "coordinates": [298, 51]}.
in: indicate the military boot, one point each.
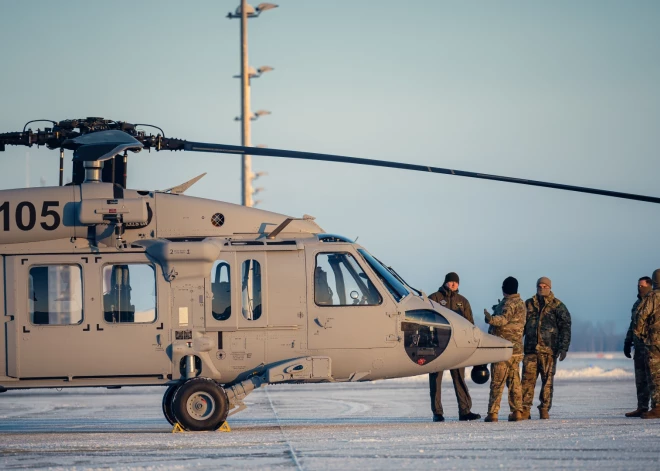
{"type": "Point", "coordinates": [525, 414]}
{"type": "Point", "coordinates": [636, 413]}
{"type": "Point", "coordinates": [652, 414]}
{"type": "Point", "coordinates": [491, 418]}
{"type": "Point", "coordinates": [544, 414]}
{"type": "Point", "coordinates": [515, 416]}
{"type": "Point", "coordinates": [469, 416]}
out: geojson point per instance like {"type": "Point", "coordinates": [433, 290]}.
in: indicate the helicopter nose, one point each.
{"type": "Point", "coordinates": [491, 341]}
{"type": "Point", "coordinates": [491, 349]}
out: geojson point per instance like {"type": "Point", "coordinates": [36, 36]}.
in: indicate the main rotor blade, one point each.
{"type": "Point", "coordinates": [260, 151]}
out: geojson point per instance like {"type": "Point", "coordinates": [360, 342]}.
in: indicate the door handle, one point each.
{"type": "Point", "coordinates": [323, 322]}
{"type": "Point", "coordinates": [98, 327]}
{"type": "Point", "coordinates": [86, 329]}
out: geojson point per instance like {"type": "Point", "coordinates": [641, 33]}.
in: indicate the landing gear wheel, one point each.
{"type": "Point", "coordinates": [167, 403]}
{"type": "Point", "coordinates": [200, 404]}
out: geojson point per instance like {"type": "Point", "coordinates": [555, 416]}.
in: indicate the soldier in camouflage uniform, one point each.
{"type": "Point", "coordinates": [647, 328]}
{"type": "Point", "coordinates": [641, 377]}
{"type": "Point", "coordinates": [508, 322]}
{"type": "Point", "coordinates": [547, 337]}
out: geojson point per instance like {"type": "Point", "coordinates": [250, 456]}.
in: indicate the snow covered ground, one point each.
{"type": "Point", "coordinates": [379, 425]}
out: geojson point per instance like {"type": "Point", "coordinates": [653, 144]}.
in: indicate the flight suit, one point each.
{"type": "Point", "coordinates": [460, 305]}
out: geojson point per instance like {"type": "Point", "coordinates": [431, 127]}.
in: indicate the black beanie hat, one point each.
{"type": "Point", "coordinates": [451, 276]}
{"type": "Point", "coordinates": [510, 285]}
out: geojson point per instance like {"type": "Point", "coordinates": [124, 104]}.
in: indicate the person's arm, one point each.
{"type": "Point", "coordinates": [628, 342]}
{"type": "Point", "coordinates": [502, 319]}
{"type": "Point", "coordinates": [564, 325]}
{"type": "Point", "coordinates": [645, 309]}
{"type": "Point", "coordinates": [629, 334]}
{"type": "Point", "coordinates": [468, 311]}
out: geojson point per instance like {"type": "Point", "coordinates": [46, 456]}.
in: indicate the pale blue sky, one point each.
{"type": "Point", "coordinates": [560, 91]}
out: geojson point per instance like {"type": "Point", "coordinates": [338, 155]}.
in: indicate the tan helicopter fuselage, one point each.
{"type": "Point", "coordinates": [111, 287]}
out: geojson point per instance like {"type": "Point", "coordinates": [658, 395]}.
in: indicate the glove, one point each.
{"type": "Point", "coordinates": [487, 316]}
{"type": "Point", "coordinates": [626, 350]}
{"type": "Point", "coordinates": [562, 356]}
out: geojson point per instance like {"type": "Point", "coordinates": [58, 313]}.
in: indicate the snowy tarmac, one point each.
{"type": "Point", "coordinates": [380, 425]}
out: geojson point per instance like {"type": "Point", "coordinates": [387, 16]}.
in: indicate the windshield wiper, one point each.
{"type": "Point", "coordinates": [398, 277]}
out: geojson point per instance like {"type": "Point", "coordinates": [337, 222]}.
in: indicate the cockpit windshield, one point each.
{"type": "Point", "coordinates": [391, 282]}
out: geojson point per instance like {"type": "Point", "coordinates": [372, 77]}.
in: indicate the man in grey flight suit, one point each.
{"type": "Point", "coordinates": [447, 296]}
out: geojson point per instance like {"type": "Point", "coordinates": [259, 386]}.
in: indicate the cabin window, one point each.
{"type": "Point", "coordinates": [339, 281]}
{"type": "Point", "coordinates": [55, 295]}
{"type": "Point", "coordinates": [221, 289]}
{"type": "Point", "coordinates": [251, 289]}
{"type": "Point", "coordinates": [129, 293]}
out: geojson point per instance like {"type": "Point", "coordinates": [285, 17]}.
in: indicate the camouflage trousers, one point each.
{"type": "Point", "coordinates": [653, 371]}
{"type": "Point", "coordinates": [536, 364]}
{"type": "Point", "coordinates": [641, 376]}
{"type": "Point", "coordinates": [505, 372]}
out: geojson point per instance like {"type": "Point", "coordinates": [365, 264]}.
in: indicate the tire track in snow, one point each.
{"type": "Point", "coordinates": [286, 439]}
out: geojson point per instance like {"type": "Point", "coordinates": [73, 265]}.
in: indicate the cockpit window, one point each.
{"type": "Point", "coordinates": [339, 281]}
{"type": "Point", "coordinates": [393, 285]}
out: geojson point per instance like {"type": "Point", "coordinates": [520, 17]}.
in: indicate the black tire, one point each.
{"type": "Point", "coordinates": [200, 404]}
{"type": "Point", "coordinates": [167, 403]}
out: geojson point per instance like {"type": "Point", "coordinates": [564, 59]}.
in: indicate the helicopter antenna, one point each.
{"type": "Point", "coordinates": [61, 166]}
{"type": "Point", "coordinates": [180, 189]}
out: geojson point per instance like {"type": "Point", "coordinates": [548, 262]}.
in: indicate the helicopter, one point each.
{"type": "Point", "coordinates": [110, 287]}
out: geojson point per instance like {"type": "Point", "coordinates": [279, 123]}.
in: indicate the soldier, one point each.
{"type": "Point", "coordinates": [547, 336]}
{"type": "Point", "coordinates": [447, 296]}
{"type": "Point", "coordinates": [508, 322]}
{"type": "Point", "coordinates": [647, 328]}
{"type": "Point", "coordinates": [641, 378]}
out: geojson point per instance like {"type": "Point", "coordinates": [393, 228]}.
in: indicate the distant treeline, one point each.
{"type": "Point", "coordinates": [588, 336]}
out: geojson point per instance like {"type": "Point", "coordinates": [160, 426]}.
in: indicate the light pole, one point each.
{"type": "Point", "coordinates": [244, 12]}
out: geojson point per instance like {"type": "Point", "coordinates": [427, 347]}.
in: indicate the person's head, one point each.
{"type": "Point", "coordinates": [656, 279]}
{"type": "Point", "coordinates": [509, 286]}
{"type": "Point", "coordinates": [543, 286]}
{"type": "Point", "coordinates": [451, 281]}
{"type": "Point", "coordinates": [644, 285]}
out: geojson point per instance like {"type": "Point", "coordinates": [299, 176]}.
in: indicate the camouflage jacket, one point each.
{"type": "Point", "coordinates": [631, 338]}
{"type": "Point", "coordinates": [547, 328]}
{"type": "Point", "coordinates": [647, 325]}
{"type": "Point", "coordinates": [508, 321]}
{"type": "Point", "coordinates": [453, 301]}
